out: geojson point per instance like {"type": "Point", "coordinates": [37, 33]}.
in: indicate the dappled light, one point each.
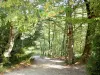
{"type": "Point", "coordinates": [46, 58]}
{"type": "Point", "coordinates": [57, 61]}
{"type": "Point", "coordinates": [49, 37]}
{"type": "Point", "coordinates": [48, 67]}
{"type": "Point", "coordinates": [54, 66]}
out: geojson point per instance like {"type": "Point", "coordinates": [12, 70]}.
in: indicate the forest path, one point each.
{"type": "Point", "coordinates": [47, 66]}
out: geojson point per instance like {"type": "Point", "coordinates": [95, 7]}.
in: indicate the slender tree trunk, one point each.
{"type": "Point", "coordinates": [49, 38]}
{"type": "Point", "coordinates": [53, 40]}
{"type": "Point", "coordinates": [63, 49]}
{"type": "Point", "coordinates": [49, 41]}
{"type": "Point", "coordinates": [69, 39]}
{"type": "Point", "coordinates": [89, 35]}
{"type": "Point", "coordinates": [10, 42]}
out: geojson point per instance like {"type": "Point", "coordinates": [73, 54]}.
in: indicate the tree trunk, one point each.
{"type": "Point", "coordinates": [49, 36]}
{"type": "Point", "coordinates": [63, 48]}
{"type": "Point", "coordinates": [10, 42]}
{"type": "Point", "coordinates": [53, 41]}
{"type": "Point", "coordinates": [89, 35]}
{"type": "Point", "coordinates": [70, 41]}
{"type": "Point", "coordinates": [49, 40]}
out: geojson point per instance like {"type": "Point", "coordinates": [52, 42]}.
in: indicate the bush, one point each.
{"type": "Point", "coordinates": [93, 66]}
{"type": "Point", "coordinates": [19, 57]}
{"type": "Point", "coordinates": [2, 69]}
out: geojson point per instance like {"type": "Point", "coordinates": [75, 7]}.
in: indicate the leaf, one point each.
{"type": "Point", "coordinates": [42, 1]}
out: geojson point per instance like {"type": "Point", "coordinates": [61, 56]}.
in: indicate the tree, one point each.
{"type": "Point", "coordinates": [89, 34]}
{"type": "Point", "coordinates": [18, 18]}
{"type": "Point", "coordinates": [10, 41]}
{"type": "Point", "coordinates": [69, 39]}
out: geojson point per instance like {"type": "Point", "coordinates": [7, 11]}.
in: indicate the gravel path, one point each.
{"type": "Point", "coordinates": [46, 66]}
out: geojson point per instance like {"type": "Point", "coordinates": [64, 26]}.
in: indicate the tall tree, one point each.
{"type": "Point", "coordinates": [89, 34]}
{"type": "Point", "coordinates": [69, 33]}
{"type": "Point", "coordinates": [17, 18]}
{"type": "Point", "coordinates": [10, 41]}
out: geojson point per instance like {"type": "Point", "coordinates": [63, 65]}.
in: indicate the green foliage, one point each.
{"type": "Point", "coordinates": [93, 66]}
{"type": "Point", "coordinates": [95, 7]}
{"type": "Point", "coordinates": [45, 29]}
{"type": "Point", "coordinates": [2, 69]}
{"type": "Point", "coordinates": [20, 14]}
{"type": "Point", "coordinates": [19, 57]}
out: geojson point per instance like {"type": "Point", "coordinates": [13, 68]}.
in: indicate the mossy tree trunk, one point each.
{"type": "Point", "coordinates": [10, 43]}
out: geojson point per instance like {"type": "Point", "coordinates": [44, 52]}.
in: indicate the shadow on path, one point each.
{"type": "Point", "coordinates": [47, 66]}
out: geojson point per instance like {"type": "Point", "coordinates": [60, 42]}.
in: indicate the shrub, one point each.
{"type": "Point", "coordinates": [93, 66]}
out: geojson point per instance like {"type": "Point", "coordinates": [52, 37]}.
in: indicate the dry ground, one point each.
{"type": "Point", "coordinates": [47, 66]}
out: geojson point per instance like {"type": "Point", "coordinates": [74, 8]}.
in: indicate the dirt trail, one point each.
{"type": "Point", "coordinates": [46, 66]}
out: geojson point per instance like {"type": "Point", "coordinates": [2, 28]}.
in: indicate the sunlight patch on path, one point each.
{"type": "Point", "coordinates": [59, 61]}
{"type": "Point", "coordinates": [55, 66]}
{"type": "Point", "coordinates": [48, 66]}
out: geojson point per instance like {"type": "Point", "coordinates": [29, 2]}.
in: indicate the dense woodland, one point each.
{"type": "Point", "coordinates": [65, 29]}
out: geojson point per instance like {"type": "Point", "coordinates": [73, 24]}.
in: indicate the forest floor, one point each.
{"type": "Point", "coordinates": [47, 66]}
